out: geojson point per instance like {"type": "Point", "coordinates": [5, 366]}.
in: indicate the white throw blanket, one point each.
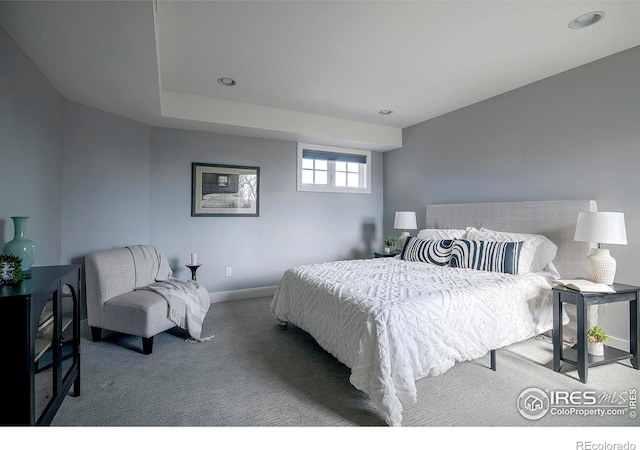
{"type": "Point", "coordinates": [150, 264]}
{"type": "Point", "coordinates": [188, 304]}
{"type": "Point", "coordinates": [188, 300]}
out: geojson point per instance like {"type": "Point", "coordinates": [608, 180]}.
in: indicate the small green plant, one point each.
{"type": "Point", "coordinates": [390, 241]}
{"type": "Point", "coordinates": [10, 269]}
{"type": "Point", "coordinates": [597, 334]}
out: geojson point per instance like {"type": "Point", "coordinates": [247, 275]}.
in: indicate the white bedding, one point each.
{"type": "Point", "coordinates": [393, 321]}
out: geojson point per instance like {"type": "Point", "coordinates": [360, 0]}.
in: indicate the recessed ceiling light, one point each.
{"type": "Point", "coordinates": [385, 112]}
{"type": "Point", "coordinates": [586, 20]}
{"type": "Point", "coordinates": [226, 81]}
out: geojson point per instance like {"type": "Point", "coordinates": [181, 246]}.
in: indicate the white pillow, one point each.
{"type": "Point", "coordinates": [552, 270]}
{"type": "Point", "coordinates": [441, 233]}
{"type": "Point", "coordinates": [537, 252]}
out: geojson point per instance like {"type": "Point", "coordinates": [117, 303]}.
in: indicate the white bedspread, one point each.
{"type": "Point", "coordinates": [393, 322]}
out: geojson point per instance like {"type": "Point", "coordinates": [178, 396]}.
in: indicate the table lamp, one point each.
{"type": "Point", "coordinates": [601, 228]}
{"type": "Point", "coordinates": [405, 220]}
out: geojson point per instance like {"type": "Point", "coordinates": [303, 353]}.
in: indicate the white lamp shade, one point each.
{"type": "Point", "coordinates": [405, 220]}
{"type": "Point", "coordinates": [601, 228]}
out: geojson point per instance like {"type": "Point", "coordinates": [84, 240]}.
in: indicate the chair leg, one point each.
{"type": "Point", "coordinates": [147, 345]}
{"type": "Point", "coordinates": [96, 334]}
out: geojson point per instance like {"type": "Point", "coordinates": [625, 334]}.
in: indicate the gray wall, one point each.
{"type": "Point", "coordinates": [106, 182]}
{"type": "Point", "coordinates": [126, 183]}
{"type": "Point", "coordinates": [575, 135]}
{"type": "Point", "coordinates": [31, 148]}
{"type": "Point", "coordinates": [293, 227]}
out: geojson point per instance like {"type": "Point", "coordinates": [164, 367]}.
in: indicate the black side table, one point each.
{"type": "Point", "coordinates": [578, 354]}
{"type": "Point", "coordinates": [194, 268]}
{"type": "Point", "coordinates": [385, 255]}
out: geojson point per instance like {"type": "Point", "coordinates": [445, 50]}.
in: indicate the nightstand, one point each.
{"type": "Point", "coordinates": [385, 255]}
{"type": "Point", "coordinates": [578, 354]}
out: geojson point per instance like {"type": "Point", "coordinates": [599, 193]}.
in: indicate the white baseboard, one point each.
{"type": "Point", "coordinates": [242, 294]}
{"type": "Point", "coordinates": [620, 344]}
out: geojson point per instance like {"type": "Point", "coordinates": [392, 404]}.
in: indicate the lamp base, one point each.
{"type": "Point", "coordinates": [402, 239]}
{"type": "Point", "coordinates": [601, 266]}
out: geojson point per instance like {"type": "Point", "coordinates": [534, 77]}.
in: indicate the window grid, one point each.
{"type": "Point", "coordinates": [315, 172]}
{"type": "Point", "coordinates": [348, 174]}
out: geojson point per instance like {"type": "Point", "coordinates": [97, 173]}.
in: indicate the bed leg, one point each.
{"type": "Point", "coordinates": [493, 360]}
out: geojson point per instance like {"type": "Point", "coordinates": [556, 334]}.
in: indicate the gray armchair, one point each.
{"type": "Point", "coordinates": [113, 303]}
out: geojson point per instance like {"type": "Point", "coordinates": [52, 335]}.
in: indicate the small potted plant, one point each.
{"type": "Point", "coordinates": [389, 243]}
{"type": "Point", "coordinates": [10, 269]}
{"type": "Point", "coordinates": [596, 337]}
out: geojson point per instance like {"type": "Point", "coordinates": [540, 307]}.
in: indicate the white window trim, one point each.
{"type": "Point", "coordinates": [329, 188]}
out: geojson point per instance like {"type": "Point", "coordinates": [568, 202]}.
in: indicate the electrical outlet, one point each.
{"type": "Point", "coordinates": [227, 272]}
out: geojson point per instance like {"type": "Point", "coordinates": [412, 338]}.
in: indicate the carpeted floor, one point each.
{"type": "Point", "coordinates": [255, 373]}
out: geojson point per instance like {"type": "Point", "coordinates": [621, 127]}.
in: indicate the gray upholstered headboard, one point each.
{"type": "Point", "coordinates": [555, 219]}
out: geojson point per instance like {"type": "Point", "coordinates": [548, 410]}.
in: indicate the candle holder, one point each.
{"type": "Point", "coordinates": [193, 268]}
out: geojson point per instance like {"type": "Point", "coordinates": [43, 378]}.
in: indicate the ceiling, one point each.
{"type": "Point", "coordinates": [314, 71]}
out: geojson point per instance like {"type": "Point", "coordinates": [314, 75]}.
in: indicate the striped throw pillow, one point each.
{"type": "Point", "coordinates": [433, 251]}
{"type": "Point", "coordinates": [486, 255]}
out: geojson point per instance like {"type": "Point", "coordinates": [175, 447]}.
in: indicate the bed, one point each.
{"type": "Point", "coordinates": [395, 320]}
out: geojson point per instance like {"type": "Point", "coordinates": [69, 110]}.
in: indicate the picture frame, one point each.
{"type": "Point", "coordinates": [222, 190]}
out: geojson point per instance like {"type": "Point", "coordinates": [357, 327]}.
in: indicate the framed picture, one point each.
{"type": "Point", "coordinates": [223, 190]}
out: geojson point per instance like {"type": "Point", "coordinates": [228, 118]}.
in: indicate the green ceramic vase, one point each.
{"type": "Point", "coordinates": [20, 246]}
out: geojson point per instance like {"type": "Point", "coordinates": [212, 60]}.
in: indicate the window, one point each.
{"type": "Point", "coordinates": [332, 169]}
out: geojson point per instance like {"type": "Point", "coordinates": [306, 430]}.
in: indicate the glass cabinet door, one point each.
{"type": "Point", "coordinates": [54, 346]}
{"type": "Point", "coordinates": [67, 344]}
{"type": "Point", "coordinates": [44, 381]}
